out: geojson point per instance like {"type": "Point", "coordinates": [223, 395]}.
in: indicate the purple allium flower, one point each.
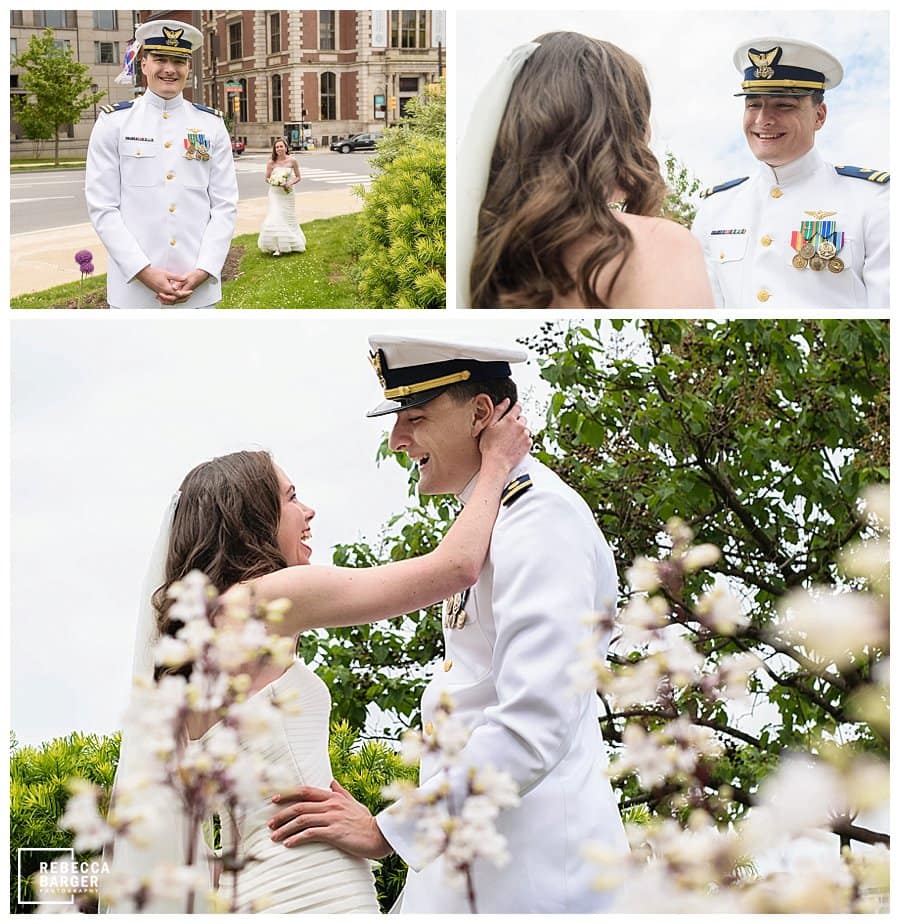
{"type": "Point", "coordinates": [87, 268]}
{"type": "Point", "coordinates": [84, 256]}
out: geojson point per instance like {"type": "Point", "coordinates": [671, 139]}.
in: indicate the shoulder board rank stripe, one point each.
{"type": "Point", "coordinates": [118, 107]}
{"type": "Point", "coordinates": [864, 173]}
{"type": "Point", "coordinates": [215, 112]}
{"type": "Point", "coordinates": [516, 488]}
{"type": "Point", "coordinates": [712, 190]}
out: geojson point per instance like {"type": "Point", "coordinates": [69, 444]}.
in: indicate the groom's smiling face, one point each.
{"type": "Point", "coordinates": [441, 437]}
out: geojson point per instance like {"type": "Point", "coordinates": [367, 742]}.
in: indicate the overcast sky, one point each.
{"type": "Point", "coordinates": [108, 414]}
{"type": "Point", "coordinates": [687, 57]}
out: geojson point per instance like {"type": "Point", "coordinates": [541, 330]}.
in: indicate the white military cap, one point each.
{"type": "Point", "coordinates": [414, 369]}
{"type": "Point", "coordinates": [169, 37]}
{"type": "Point", "coordinates": [785, 67]}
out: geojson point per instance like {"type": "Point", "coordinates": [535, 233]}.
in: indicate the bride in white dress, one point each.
{"type": "Point", "coordinates": [281, 232]}
{"type": "Point", "coordinates": [237, 518]}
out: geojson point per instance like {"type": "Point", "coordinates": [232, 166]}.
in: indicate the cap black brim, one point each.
{"type": "Point", "coordinates": [401, 404]}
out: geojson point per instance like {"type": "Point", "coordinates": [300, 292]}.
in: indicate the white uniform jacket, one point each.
{"type": "Point", "coordinates": [745, 230]}
{"type": "Point", "coordinates": [150, 204]}
{"type": "Point", "coordinates": [507, 673]}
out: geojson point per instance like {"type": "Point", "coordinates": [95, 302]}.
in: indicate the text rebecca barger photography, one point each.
{"type": "Point", "coordinates": [60, 877]}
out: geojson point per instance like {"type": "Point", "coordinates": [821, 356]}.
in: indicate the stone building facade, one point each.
{"type": "Point", "coordinates": [98, 39]}
{"type": "Point", "coordinates": [324, 73]}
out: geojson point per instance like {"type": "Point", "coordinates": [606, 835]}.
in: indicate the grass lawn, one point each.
{"type": "Point", "coordinates": [318, 278]}
{"type": "Point", "coordinates": [28, 164]}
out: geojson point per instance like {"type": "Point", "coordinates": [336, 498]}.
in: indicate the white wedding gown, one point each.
{"type": "Point", "coordinates": [280, 230]}
{"type": "Point", "coordinates": [314, 877]}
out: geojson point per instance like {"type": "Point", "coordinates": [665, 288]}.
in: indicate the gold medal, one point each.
{"type": "Point", "coordinates": [826, 250]}
{"type": "Point", "coordinates": [454, 616]}
{"type": "Point", "coordinates": [808, 251]}
{"type": "Point", "coordinates": [817, 264]}
{"type": "Point", "coordinates": [799, 262]}
{"type": "Point", "coordinates": [836, 265]}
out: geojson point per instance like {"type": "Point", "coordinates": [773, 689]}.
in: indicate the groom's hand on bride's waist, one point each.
{"type": "Point", "coordinates": [329, 815]}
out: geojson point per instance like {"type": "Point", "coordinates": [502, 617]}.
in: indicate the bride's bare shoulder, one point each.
{"type": "Point", "coordinates": [650, 232]}
{"type": "Point", "coordinates": [666, 268]}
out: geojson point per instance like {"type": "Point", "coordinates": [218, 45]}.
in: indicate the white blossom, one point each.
{"type": "Point", "coordinates": [734, 673]}
{"type": "Point", "coordinates": [83, 817]}
{"type": "Point", "coordinates": [257, 718]}
{"type": "Point", "coordinates": [700, 556]}
{"type": "Point", "coordinates": [833, 625]}
{"type": "Point", "coordinates": [799, 796]}
{"type": "Point", "coordinates": [721, 611]}
{"type": "Point", "coordinates": [643, 575]}
{"type": "Point", "coordinates": [498, 786]}
{"type": "Point", "coordinates": [681, 661]}
{"type": "Point", "coordinates": [173, 652]}
{"type": "Point", "coordinates": [635, 684]}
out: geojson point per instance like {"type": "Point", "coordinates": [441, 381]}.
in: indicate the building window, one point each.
{"type": "Point", "coordinates": [51, 19]}
{"type": "Point", "coordinates": [235, 49]}
{"type": "Point", "coordinates": [408, 29]}
{"type": "Point", "coordinates": [106, 52]}
{"type": "Point", "coordinates": [275, 33]}
{"type": "Point", "coordinates": [408, 84]}
{"type": "Point", "coordinates": [276, 97]}
{"type": "Point", "coordinates": [244, 106]}
{"type": "Point", "coordinates": [326, 30]}
{"type": "Point", "coordinates": [15, 18]}
{"type": "Point", "coordinates": [106, 19]}
{"type": "Point", "coordinates": [13, 47]}
{"type": "Point", "coordinates": [62, 44]}
{"type": "Point", "coordinates": [328, 97]}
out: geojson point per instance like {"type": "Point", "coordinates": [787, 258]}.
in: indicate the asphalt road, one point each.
{"type": "Point", "coordinates": [40, 201]}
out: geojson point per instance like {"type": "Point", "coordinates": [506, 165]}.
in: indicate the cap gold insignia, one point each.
{"type": "Point", "coordinates": [375, 360]}
{"type": "Point", "coordinates": [172, 35]}
{"type": "Point", "coordinates": [764, 61]}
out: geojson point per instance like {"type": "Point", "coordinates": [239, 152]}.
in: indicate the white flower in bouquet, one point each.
{"type": "Point", "coordinates": [280, 177]}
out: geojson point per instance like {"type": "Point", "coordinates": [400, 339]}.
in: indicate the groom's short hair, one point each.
{"type": "Point", "coordinates": [495, 389]}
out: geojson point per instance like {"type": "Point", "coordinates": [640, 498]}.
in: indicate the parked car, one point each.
{"type": "Point", "coordinates": [237, 146]}
{"type": "Point", "coordinates": [363, 142]}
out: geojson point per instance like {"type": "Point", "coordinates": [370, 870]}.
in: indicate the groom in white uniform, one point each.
{"type": "Point", "coordinates": [509, 642]}
{"type": "Point", "coordinates": [160, 183]}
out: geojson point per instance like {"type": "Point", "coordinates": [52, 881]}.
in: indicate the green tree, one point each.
{"type": "Point", "coordinates": [402, 249]}
{"type": "Point", "coordinates": [682, 185]}
{"type": "Point", "coordinates": [760, 435]}
{"type": "Point", "coordinates": [57, 89]}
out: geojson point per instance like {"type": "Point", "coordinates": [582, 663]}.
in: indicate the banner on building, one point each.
{"type": "Point", "coordinates": [379, 28]}
{"type": "Point", "coordinates": [439, 28]}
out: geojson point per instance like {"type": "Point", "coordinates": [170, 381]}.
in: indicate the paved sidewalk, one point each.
{"type": "Point", "coordinates": [42, 259]}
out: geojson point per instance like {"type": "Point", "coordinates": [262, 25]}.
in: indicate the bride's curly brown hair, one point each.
{"type": "Point", "coordinates": [575, 133]}
{"type": "Point", "coordinates": [225, 525]}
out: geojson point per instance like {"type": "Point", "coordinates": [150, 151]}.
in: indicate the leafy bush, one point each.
{"type": "Point", "coordinates": [364, 769]}
{"type": "Point", "coordinates": [403, 229]}
{"type": "Point", "coordinates": [39, 793]}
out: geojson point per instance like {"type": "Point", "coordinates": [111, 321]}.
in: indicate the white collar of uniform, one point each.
{"type": "Point", "coordinates": [520, 469]}
{"type": "Point", "coordinates": [164, 105]}
{"type": "Point", "coordinates": [799, 169]}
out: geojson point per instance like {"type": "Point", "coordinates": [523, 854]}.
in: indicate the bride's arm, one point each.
{"type": "Point", "coordinates": [331, 596]}
{"type": "Point", "coordinates": [296, 167]}
{"type": "Point", "coordinates": [269, 167]}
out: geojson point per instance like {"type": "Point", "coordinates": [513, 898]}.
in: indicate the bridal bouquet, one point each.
{"type": "Point", "coordinates": [280, 176]}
